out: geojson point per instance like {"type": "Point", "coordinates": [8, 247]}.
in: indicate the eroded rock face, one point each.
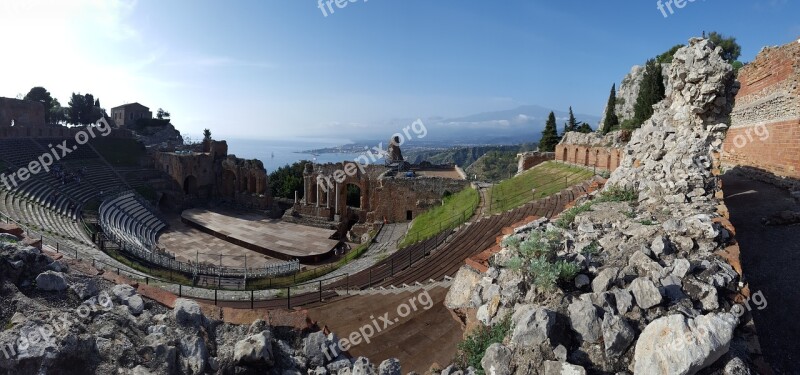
{"type": "Point", "coordinates": [677, 345]}
{"type": "Point", "coordinates": [115, 331]}
{"type": "Point", "coordinates": [649, 294]}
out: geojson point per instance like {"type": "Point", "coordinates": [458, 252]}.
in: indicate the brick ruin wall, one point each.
{"type": "Point", "coordinates": [600, 157]}
{"type": "Point", "coordinates": [393, 198]}
{"type": "Point", "coordinates": [381, 196]}
{"type": "Point", "coordinates": [24, 113]}
{"type": "Point", "coordinates": [765, 123]}
{"type": "Point", "coordinates": [528, 160]}
{"type": "Point", "coordinates": [217, 175]}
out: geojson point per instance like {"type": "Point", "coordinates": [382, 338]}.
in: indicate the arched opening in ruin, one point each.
{"type": "Point", "coordinates": [586, 157]}
{"type": "Point", "coordinates": [564, 153]}
{"type": "Point", "coordinates": [228, 184]}
{"type": "Point", "coordinates": [190, 185]}
{"type": "Point", "coordinates": [252, 189]}
{"type": "Point", "coordinates": [353, 196]}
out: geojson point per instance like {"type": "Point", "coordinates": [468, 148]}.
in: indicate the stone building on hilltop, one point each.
{"type": "Point", "coordinates": [126, 115]}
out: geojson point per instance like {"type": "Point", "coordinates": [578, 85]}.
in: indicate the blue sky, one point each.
{"type": "Point", "coordinates": [280, 68]}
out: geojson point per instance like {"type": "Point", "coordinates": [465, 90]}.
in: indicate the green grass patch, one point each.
{"type": "Point", "coordinates": [568, 217]}
{"type": "Point", "coordinates": [311, 274]}
{"type": "Point", "coordinates": [120, 152]}
{"type": "Point", "coordinates": [472, 350]}
{"type": "Point", "coordinates": [547, 179]}
{"type": "Point", "coordinates": [455, 210]}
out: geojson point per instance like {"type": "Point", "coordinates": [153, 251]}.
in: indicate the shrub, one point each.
{"type": "Point", "coordinates": [568, 216]}
{"type": "Point", "coordinates": [512, 242]}
{"type": "Point", "coordinates": [472, 350]}
{"type": "Point", "coordinates": [544, 274]}
{"type": "Point", "coordinates": [592, 249]}
{"type": "Point", "coordinates": [566, 270]}
{"type": "Point", "coordinates": [617, 194]}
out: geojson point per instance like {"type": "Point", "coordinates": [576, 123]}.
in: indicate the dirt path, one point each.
{"type": "Point", "coordinates": [771, 262]}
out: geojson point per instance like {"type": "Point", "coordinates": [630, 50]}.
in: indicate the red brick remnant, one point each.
{"type": "Point", "coordinates": [765, 123]}
{"type": "Point", "coordinates": [606, 158]}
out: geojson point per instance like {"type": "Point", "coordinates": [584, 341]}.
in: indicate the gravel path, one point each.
{"type": "Point", "coordinates": [771, 262]}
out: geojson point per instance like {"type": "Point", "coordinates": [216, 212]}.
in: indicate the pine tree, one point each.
{"type": "Point", "coordinates": [651, 91]}
{"type": "Point", "coordinates": [611, 122]}
{"type": "Point", "coordinates": [572, 124]}
{"type": "Point", "coordinates": [549, 135]}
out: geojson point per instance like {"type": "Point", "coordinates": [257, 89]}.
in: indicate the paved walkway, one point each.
{"type": "Point", "coordinates": [771, 261]}
{"type": "Point", "coordinates": [385, 244]}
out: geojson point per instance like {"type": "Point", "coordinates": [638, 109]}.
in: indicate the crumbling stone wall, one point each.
{"type": "Point", "coordinates": [591, 150]}
{"type": "Point", "coordinates": [765, 123]}
{"type": "Point", "coordinates": [528, 160]}
{"type": "Point", "coordinates": [217, 175]}
{"type": "Point", "coordinates": [393, 198]}
{"type": "Point", "coordinates": [24, 113]}
{"type": "Point", "coordinates": [382, 196]}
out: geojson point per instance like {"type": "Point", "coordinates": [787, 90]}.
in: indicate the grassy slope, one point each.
{"type": "Point", "coordinates": [547, 179]}
{"type": "Point", "coordinates": [456, 210]}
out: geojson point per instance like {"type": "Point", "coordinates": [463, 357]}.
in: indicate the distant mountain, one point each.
{"type": "Point", "coordinates": [462, 156]}
{"type": "Point", "coordinates": [519, 125]}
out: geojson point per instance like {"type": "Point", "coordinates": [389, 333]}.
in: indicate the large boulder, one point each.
{"type": "Point", "coordinates": [256, 349]}
{"type": "Point", "coordinates": [586, 319]}
{"type": "Point", "coordinates": [646, 293]}
{"type": "Point", "coordinates": [51, 281]}
{"type": "Point", "coordinates": [682, 346]}
{"type": "Point", "coordinates": [461, 293]}
{"type": "Point", "coordinates": [390, 366]}
{"type": "Point", "coordinates": [188, 313]}
{"type": "Point", "coordinates": [617, 335]}
{"type": "Point", "coordinates": [533, 325]}
{"type": "Point", "coordinates": [497, 360]}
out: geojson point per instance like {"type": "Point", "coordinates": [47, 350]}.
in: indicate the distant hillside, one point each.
{"type": "Point", "coordinates": [463, 156]}
{"type": "Point", "coordinates": [494, 166]}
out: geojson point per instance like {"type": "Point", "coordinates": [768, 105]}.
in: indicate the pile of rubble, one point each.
{"type": "Point", "coordinates": [58, 320]}
{"type": "Point", "coordinates": [637, 286]}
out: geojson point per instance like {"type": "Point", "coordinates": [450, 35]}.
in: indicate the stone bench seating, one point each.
{"type": "Point", "coordinates": [127, 218]}
{"type": "Point", "coordinates": [81, 152]}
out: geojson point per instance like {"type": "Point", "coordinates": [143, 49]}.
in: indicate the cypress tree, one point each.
{"type": "Point", "coordinates": [549, 135]}
{"type": "Point", "coordinates": [611, 122]}
{"type": "Point", "coordinates": [572, 124]}
{"type": "Point", "coordinates": [651, 91]}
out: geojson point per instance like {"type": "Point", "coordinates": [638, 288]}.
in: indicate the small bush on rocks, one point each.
{"type": "Point", "coordinates": [471, 351]}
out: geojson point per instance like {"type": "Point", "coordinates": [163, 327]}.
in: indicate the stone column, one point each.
{"type": "Point", "coordinates": [317, 185]}
{"type": "Point", "coordinates": [337, 198]}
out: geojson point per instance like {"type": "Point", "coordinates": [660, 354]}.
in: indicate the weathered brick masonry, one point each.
{"type": "Point", "coordinates": [765, 123]}
{"type": "Point", "coordinates": [591, 150]}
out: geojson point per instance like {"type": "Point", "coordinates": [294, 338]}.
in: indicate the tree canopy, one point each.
{"type": "Point", "coordinates": [549, 135]}
{"type": "Point", "coordinates": [731, 50]}
{"type": "Point", "coordinates": [611, 122]}
{"type": "Point", "coordinates": [83, 110]}
{"type": "Point", "coordinates": [651, 91]}
{"type": "Point", "coordinates": [51, 105]}
{"type": "Point", "coordinates": [161, 114]}
{"type": "Point", "coordinates": [285, 180]}
{"type": "Point", "coordinates": [666, 57]}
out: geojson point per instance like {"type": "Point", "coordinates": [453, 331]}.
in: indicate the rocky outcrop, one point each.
{"type": "Point", "coordinates": [633, 282]}
{"type": "Point", "coordinates": [71, 323]}
{"type": "Point", "coordinates": [628, 92]}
